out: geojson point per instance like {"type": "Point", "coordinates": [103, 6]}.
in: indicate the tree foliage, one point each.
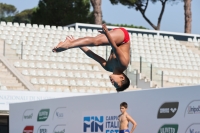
{"type": "Point", "coordinates": [126, 25]}
{"type": "Point", "coordinates": [141, 6]}
{"type": "Point", "coordinates": [7, 10]}
{"type": "Point", "coordinates": [62, 12]}
{"type": "Point", "coordinates": [24, 16]}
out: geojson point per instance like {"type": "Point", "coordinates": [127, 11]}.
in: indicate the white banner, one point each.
{"type": "Point", "coordinates": [168, 110]}
{"type": "Point", "coordinates": [7, 97]}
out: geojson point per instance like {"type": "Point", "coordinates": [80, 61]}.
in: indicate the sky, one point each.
{"type": "Point", "coordinates": [173, 17]}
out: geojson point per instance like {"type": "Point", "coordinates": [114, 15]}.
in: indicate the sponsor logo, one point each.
{"type": "Point", "coordinates": [99, 123]}
{"type": "Point", "coordinates": [59, 129]}
{"type": "Point", "coordinates": [43, 129]}
{"type": "Point", "coordinates": [93, 124]}
{"type": "Point", "coordinates": [43, 115]}
{"type": "Point", "coordinates": [59, 113]}
{"type": "Point", "coordinates": [168, 128]}
{"type": "Point", "coordinates": [168, 110]}
{"type": "Point", "coordinates": [28, 129]}
{"type": "Point", "coordinates": [28, 114]}
{"type": "Point", "coordinates": [193, 107]}
{"type": "Point", "coordinates": [194, 110]}
{"type": "Point", "coordinates": [111, 124]}
{"type": "Point", "coordinates": [194, 128]}
{"type": "Point", "coordinates": [62, 131]}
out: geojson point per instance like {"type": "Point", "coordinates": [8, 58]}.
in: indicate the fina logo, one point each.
{"type": "Point", "coordinates": [93, 124]}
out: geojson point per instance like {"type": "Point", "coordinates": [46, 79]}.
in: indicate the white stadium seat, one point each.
{"type": "Point", "coordinates": [32, 65]}
{"type": "Point", "coordinates": [84, 75]}
{"type": "Point", "coordinates": [25, 72]}
{"type": "Point", "coordinates": [51, 89]}
{"type": "Point", "coordinates": [43, 89]}
{"type": "Point", "coordinates": [57, 82]}
{"type": "Point", "coordinates": [4, 88]}
{"type": "Point", "coordinates": [80, 83]}
{"type": "Point", "coordinates": [58, 90]}
{"type": "Point", "coordinates": [90, 91]}
{"type": "Point", "coordinates": [55, 74]}
{"type": "Point", "coordinates": [70, 74]}
{"type": "Point", "coordinates": [65, 82]}
{"type": "Point", "coordinates": [17, 64]}
{"type": "Point", "coordinates": [34, 81]}
{"type": "Point", "coordinates": [82, 90]}
{"type": "Point", "coordinates": [91, 75]}
{"type": "Point", "coordinates": [77, 75]}
{"type": "Point", "coordinates": [72, 83]}
{"type": "Point", "coordinates": [87, 83]}
{"type": "Point", "coordinates": [42, 81]}
{"type": "Point", "coordinates": [94, 83]}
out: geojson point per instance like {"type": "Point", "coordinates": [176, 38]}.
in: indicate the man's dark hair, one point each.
{"type": "Point", "coordinates": [124, 104]}
{"type": "Point", "coordinates": [125, 84]}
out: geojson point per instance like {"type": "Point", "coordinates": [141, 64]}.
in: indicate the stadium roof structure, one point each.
{"type": "Point", "coordinates": [176, 35]}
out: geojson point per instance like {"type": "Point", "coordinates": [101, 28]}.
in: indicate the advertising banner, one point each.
{"type": "Point", "coordinates": [167, 110]}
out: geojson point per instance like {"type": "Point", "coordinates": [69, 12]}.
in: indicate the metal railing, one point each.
{"type": "Point", "coordinates": [148, 72]}
{"type": "Point", "coordinates": [12, 50]}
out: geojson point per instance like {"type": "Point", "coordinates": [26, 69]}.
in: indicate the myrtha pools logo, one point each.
{"type": "Point", "coordinates": [168, 110]}
{"type": "Point", "coordinates": [43, 115]}
{"type": "Point", "coordinates": [93, 123]}
{"type": "Point", "coordinates": [169, 128]}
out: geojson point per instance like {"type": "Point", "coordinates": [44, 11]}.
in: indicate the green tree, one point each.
{"type": "Point", "coordinates": [7, 10]}
{"type": "Point", "coordinates": [141, 6]}
{"type": "Point", "coordinates": [7, 19]}
{"type": "Point", "coordinates": [62, 12]}
{"type": "Point", "coordinates": [125, 25]}
{"type": "Point", "coordinates": [24, 16]}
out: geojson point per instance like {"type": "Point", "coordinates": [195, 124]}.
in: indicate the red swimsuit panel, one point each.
{"type": "Point", "coordinates": [126, 35]}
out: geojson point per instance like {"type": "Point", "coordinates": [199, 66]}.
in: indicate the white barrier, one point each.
{"type": "Point", "coordinates": [7, 97]}
{"type": "Point", "coordinates": [168, 110]}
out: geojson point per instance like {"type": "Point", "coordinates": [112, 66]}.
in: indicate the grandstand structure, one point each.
{"type": "Point", "coordinates": [28, 63]}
